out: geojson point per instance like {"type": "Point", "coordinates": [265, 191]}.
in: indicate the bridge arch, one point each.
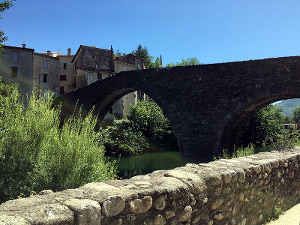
{"type": "Point", "coordinates": [233, 129]}
{"type": "Point", "coordinates": [207, 105]}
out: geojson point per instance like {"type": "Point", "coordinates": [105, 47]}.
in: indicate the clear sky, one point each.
{"type": "Point", "coordinates": [211, 30]}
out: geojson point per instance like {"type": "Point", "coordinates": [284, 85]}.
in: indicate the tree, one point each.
{"type": "Point", "coordinates": [4, 6]}
{"type": "Point", "coordinates": [296, 115]}
{"type": "Point", "coordinates": [264, 127]}
{"type": "Point", "coordinates": [144, 54]}
{"type": "Point", "coordinates": [187, 62]}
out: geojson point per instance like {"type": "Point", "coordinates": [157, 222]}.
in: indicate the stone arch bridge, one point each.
{"type": "Point", "coordinates": [208, 105]}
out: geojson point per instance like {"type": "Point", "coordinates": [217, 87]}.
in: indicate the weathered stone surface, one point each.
{"type": "Point", "coordinates": [141, 205]}
{"type": "Point", "coordinates": [217, 203]}
{"type": "Point", "coordinates": [160, 203]}
{"type": "Point", "coordinates": [185, 214]}
{"type": "Point", "coordinates": [13, 220]}
{"type": "Point", "coordinates": [49, 214]}
{"type": "Point", "coordinates": [86, 211]}
{"type": "Point", "coordinates": [170, 214]}
{"type": "Point", "coordinates": [193, 181]}
{"type": "Point", "coordinates": [113, 206]}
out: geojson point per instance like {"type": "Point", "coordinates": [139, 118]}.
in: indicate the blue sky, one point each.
{"type": "Point", "coordinates": [212, 30]}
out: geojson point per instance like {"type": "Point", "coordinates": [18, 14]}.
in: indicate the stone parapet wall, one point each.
{"type": "Point", "coordinates": [233, 191]}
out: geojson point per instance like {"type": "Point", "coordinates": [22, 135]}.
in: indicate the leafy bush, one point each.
{"type": "Point", "coordinates": [148, 118]}
{"type": "Point", "coordinates": [266, 129]}
{"type": "Point", "coordinates": [122, 140]}
{"type": "Point", "coordinates": [145, 130]}
{"type": "Point", "coordinates": [36, 153]}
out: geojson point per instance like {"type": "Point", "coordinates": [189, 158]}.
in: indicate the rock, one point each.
{"type": "Point", "coordinates": [160, 203]}
{"type": "Point", "coordinates": [45, 192]}
{"type": "Point", "coordinates": [217, 203]}
{"type": "Point", "coordinates": [11, 220]}
{"type": "Point", "coordinates": [160, 220]}
{"type": "Point", "coordinates": [170, 214]}
{"type": "Point", "coordinates": [49, 214]}
{"type": "Point", "coordinates": [185, 214]}
{"type": "Point", "coordinates": [219, 216]}
{"type": "Point", "coordinates": [141, 205]}
{"type": "Point", "coordinates": [113, 206]}
{"type": "Point", "coordinates": [86, 211]}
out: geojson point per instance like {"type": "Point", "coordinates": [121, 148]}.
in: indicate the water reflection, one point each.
{"type": "Point", "coordinates": [147, 163]}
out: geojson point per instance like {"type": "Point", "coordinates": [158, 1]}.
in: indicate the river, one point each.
{"type": "Point", "coordinates": [146, 163]}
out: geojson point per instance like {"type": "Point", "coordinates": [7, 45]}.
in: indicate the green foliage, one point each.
{"type": "Point", "coordinates": [288, 106]}
{"type": "Point", "coordinates": [122, 140]}
{"type": "Point", "coordinates": [145, 129]}
{"type": "Point", "coordinates": [148, 118]}
{"type": "Point", "coordinates": [185, 62]}
{"type": "Point", "coordinates": [277, 211]}
{"type": "Point", "coordinates": [143, 53]}
{"type": "Point", "coordinates": [36, 153]}
{"type": "Point", "coordinates": [264, 127]}
{"type": "Point", "coordinates": [4, 6]}
{"type": "Point", "coordinates": [296, 115]}
{"type": "Point", "coordinates": [240, 152]}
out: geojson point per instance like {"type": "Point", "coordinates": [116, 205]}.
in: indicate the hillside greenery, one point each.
{"type": "Point", "coordinates": [288, 106]}
{"type": "Point", "coordinates": [36, 153]}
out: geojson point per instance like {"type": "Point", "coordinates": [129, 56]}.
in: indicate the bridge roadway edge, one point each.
{"type": "Point", "coordinates": [233, 191]}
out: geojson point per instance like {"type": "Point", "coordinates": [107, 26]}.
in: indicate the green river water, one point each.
{"type": "Point", "coordinates": [146, 163]}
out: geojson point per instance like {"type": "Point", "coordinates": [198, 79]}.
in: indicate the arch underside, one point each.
{"type": "Point", "coordinates": [234, 128]}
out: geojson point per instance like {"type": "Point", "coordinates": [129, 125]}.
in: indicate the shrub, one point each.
{"type": "Point", "coordinates": [36, 153]}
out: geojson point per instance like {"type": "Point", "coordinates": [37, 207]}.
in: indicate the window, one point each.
{"type": "Point", "coordinates": [139, 67]}
{"type": "Point", "coordinates": [63, 77]}
{"type": "Point", "coordinates": [110, 110]}
{"type": "Point", "coordinates": [45, 78]}
{"type": "Point", "coordinates": [75, 66]}
{"type": "Point", "coordinates": [97, 67]}
{"type": "Point", "coordinates": [99, 76]}
{"type": "Point", "coordinates": [46, 63]}
{"type": "Point", "coordinates": [125, 68]}
{"type": "Point", "coordinates": [14, 71]}
{"type": "Point", "coordinates": [61, 90]}
{"type": "Point", "coordinates": [65, 66]}
{"type": "Point", "coordinates": [15, 56]}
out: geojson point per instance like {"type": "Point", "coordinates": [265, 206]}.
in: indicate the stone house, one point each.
{"type": "Point", "coordinates": [16, 66]}
{"type": "Point", "coordinates": [92, 64]}
{"type": "Point", "coordinates": [45, 73]}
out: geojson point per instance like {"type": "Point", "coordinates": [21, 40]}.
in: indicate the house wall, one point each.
{"type": "Point", "coordinates": [130, 98]}
{"type": "Point", "coordinates": [68, 71]}
{"type": "Point", "coordinates": [51, 72]}
{"type": "Point", "coordinates": [24, 65]}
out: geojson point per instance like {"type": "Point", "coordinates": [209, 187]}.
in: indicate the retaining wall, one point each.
{"type": "Point", "coordinates": [237, 191]}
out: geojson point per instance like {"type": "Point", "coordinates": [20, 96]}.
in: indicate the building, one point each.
{"type": "Point", "coordinates": [45, 73]}
{"type": "Point", "coordinates": [59, 74]}
{"type": "Point", "coordinates": [16, 66]}
{"type": "Point", "coordinates": [92, 64]}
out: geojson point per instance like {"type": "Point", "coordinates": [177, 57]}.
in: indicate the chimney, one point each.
{"type": "Point", "coordinates": [24, 45]}
{"type": "Point", "coordinates": [69, 51]}
{"type": "Point", "coordinates": [124, 54]}
{"type": "Point", "coordinates": [48, 52]}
